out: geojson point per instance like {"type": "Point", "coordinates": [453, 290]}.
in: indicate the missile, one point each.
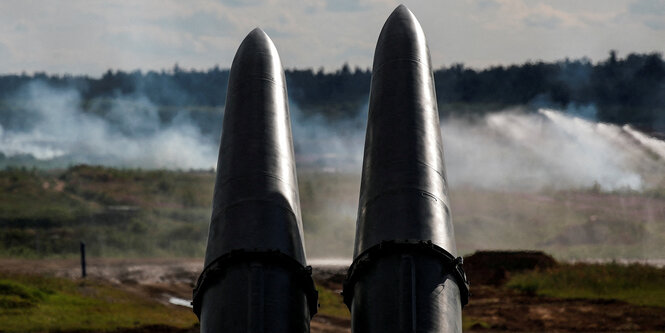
{"type": "Point", "coordinates": [255, 276]}
{"type": "Point", "coordinates": [405, 276]}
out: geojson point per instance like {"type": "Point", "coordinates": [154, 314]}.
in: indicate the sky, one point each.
{"type": "Point", "coordinates": [92, 36]}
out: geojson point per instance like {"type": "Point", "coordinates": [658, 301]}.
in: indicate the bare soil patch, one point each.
{"type": "Point", "coordinates": [499, 309]}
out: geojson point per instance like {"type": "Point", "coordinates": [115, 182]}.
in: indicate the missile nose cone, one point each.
{"type": "Point", "coordinates": [256, 203]}
{"type": "Point", "coordinates": [256, 58]}
{"type": "Point", "coordinates": [404, 233]}
{"type": "Point", "coordinates": [254, 274]}
{"type": "Point", "coordinates": [401, 39]}
{"type": "Point", "coordinates": [403, 183]}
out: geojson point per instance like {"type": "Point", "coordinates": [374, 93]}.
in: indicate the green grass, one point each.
{"type": "Point", "coordinates": [635, 284]}
{"type": "Point", "coordinates": [34, 304]}
{"type": "Point", "coordinates": [469, 322]}
{"type": "Point", "coordinates": [332, 304]}
{"type": "Point", "coordinates": [14, 295]}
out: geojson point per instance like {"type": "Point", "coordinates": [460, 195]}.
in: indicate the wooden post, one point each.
{"type": "Point", "coordinates": [83, 260]}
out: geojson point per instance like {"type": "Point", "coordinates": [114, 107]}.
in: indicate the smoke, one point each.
{"type": "Point", "coordinates": [51, 127]}
{"type": "Point", "coordinates": [508, 150]}
{"type": "Point", "coordinates": [511, 150]}
{"type": "Point", "coordinates": [548, 149]}
{"type": "Point", "coordinates": [330, 146]}
{"type": "Point", "coordinates": [124, 132]}
{"type": "Point", "coordinates": [656, 146]}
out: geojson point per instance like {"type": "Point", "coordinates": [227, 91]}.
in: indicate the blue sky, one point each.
{"type": "Point", "coordinates": [91, 36]}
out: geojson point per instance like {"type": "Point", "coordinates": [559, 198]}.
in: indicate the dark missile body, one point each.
{"type": "Point", "coordinates": [406, 276]}
{"type": "Point", "coordinates": [255, 277]}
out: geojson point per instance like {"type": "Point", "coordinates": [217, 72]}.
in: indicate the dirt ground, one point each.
{"type": "Point", "coordinates": [505, 310]}
{"type": "Point", "coordinates": [492, 307]}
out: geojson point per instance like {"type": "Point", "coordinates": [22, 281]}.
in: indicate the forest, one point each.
{"type": "Point", "coordinates": [618, 90]}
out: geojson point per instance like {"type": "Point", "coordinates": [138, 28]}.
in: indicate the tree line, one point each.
{"type": "Point", "coordinates": [622, 90]}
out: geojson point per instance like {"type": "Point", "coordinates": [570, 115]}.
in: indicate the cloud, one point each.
{"type": "Point", "coordinates": [243, 3]}
{"type": "Point", "coordinates": [4, 52]}
{"type": "Point", "coordinates": [20, 27]}
{"type": "Point", "coordinates": [346, 5]}
{"type": "Point", "coordinates": [517, 14]}
{"type": "Point", "coordinates": [648, 7]}
{"type": "Point", "coordinates": [543, 21]}
{"type": "Point", "coordinates": [90, 37]}
{"type": "Point", "coordinates": [143, 39]}
{"type": "Point", "coordinates": [202, 23]}
{"type": "Point", "coordinates": [650, 12]}
{"type": "Point", "coordinates": [655, 24]}
{"type": "Point", "coordinates": [488, 4]}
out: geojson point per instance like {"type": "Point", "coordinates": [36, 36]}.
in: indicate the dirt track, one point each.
{"type": "Point", "coordinates": [496, 308]}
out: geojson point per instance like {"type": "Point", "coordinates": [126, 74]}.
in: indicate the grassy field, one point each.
{"type": "Point", "coordinates": [156, 213]}
{"type": "Point", "coordinates": [635, 284]}
{"type": "Point", "coordinates": [570, 224]}
{"type": "Point", "coordinates": [116, 212]}
{"type": "Point", "coordinates": [31, 303]}
{"type": "Point", "coordinates": [130, 213]}
{"type": "Point", "coordinates": [332, 304]}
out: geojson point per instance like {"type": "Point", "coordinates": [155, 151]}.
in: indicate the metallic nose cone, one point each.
{"type": "Point", "coordinates": [405, 277]}
{"type": "Point", "coordinates": [256, 204]}
{"type": "Point", "coordinates": [403, 192]}
{"type": "Point", "coordinates": [401, 39]}
{"type": "Point", "coordinates": [255, 276]}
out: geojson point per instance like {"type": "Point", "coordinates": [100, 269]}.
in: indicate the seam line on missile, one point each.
{"type": "Point", "coordinates": [246, 79]}
{"type": "Point", "coordinates": [419, 162]}
{"type": "Point", "coordinates": [237, 203]}
{"type": "Point", "coordinates": [255, 174]}
{"type": "Point", "coordinates": [417, 60]}
{"type": "Point", "coordinates": [262, 174]}
{"type": "Point", "coordinates": [268, 175]}
{"type": "Point", "coordinates": [394, 190]}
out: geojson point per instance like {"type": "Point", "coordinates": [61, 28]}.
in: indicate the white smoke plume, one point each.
{"type": "Point", "coordinates": [129, 134]}
{"type": "Point", "coordinates": [549, 149]}
{"type": "Point", "coordinates": [655, 145]}
{"type": "Point", "coordinates": [329, 146]}
{"type": "Point", "coordinates": [508, 150]}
